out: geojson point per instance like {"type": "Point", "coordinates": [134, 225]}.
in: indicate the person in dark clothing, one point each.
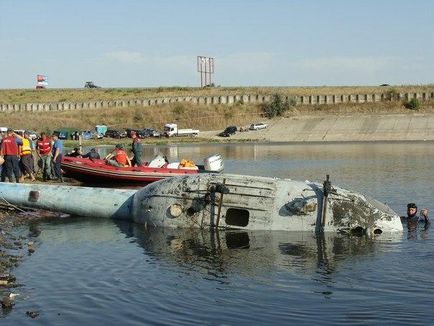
{"type": "Point", "coordinates": [136, 149]}
{"type": "Point", "coordinates": [75, 153]}
{"type": "Point", "coordinates": [57, 157]}
{"type": "Point", "coordinates": [412, 219]}
{"type": "Point", "coordinates": [92, 155]}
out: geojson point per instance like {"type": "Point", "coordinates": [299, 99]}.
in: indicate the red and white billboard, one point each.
{"type": "Point", "coordinates": [41, 81]}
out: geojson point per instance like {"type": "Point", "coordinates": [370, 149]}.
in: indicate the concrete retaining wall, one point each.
{"type": "Point", "coordinates": [329, 127]}
{"type": "Point", "coordinates": [212, 100]}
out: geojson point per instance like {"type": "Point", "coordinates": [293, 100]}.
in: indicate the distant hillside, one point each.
{"type": "Point", "coordinates": [12, 96]}
{"type": "Point", "coordinates": [203, 117]}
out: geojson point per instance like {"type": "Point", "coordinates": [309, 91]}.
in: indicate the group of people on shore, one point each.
{"type": "Point", "coordinates": [17, 153]}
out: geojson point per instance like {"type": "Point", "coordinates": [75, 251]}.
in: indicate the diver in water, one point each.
{"type": "Point", "coordinates": [412, 219]}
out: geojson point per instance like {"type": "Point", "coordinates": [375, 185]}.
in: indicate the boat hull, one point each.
{"type": "Point", "coordinates": [87, 170]}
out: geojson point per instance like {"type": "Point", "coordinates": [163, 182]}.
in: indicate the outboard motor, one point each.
{"type": "Point", "coordinates": [213, 163]}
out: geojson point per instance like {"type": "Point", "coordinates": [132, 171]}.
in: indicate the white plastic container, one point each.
{"type": "Point", "coordinates": [213, 163]}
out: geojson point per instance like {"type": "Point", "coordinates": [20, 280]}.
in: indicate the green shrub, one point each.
{"type": "Point", "coordinates": [413, 104]}
{"type": "Point", "coordinates": [391, 94]}
{"type": "Point", "coordinates": [178, 109]}
{"type": "Point", "coordinates": [278, 106]}
{"type": "Point", "coordinates": [138, 116]}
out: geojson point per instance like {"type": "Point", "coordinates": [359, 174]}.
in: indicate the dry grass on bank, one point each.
{"type": "Point", "coordinates": [201, 117]}
{"type": "Point", "coordinates": [186, 116]}
{"type": "Point", "coordinates": [361, 108]}
{"type": "Point", "coordinates": [12, 96]}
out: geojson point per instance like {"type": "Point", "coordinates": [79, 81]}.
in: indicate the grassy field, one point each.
{"type": "Point", "coordinates": [211, 117]}
{"type": "Point", "coordinates": [12, 96]}
{"type": "Point", "coordinates": [186, 116]}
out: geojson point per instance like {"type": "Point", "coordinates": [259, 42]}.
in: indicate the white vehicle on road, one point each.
{"type": "Point", "coordinates": [171, 129]}
{"type": "Point", "coordinates": [257, 126]}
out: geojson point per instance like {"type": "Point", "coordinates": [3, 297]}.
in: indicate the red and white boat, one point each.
{"type": "Point", "coordinates": [88, 170]}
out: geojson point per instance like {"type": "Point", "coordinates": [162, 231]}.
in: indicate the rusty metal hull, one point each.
{"type": "Point", "coordinates": [258, 203]}
{"type": "Point", "coordinates": [223, 201]}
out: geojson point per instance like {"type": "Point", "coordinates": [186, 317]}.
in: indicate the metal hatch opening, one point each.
{"type": "Point", "coordinates": [237, 217]}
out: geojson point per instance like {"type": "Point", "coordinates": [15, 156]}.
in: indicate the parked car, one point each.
{"type": "Point", "coordinates": [90, 84]}
{"type": "Point", "coordinates": [257, 126]}
{"type": "Point", "coordinates": [67, 133]}
{"type": "Point", "coordinates": [143, 133]}
{"type": "Point", "coordinates": [33, 134]}
{"type": "Point", "coordinates": [115, 133]}
{"type": "Point", "coordinates": [87, 134]}
{"type": "Point", "coordinates": [151, 132]}
{"type": "Point", "coordinates": [231, 130]}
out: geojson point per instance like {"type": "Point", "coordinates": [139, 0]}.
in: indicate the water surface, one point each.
{"type": "Point", "coordinates": [96, 271]}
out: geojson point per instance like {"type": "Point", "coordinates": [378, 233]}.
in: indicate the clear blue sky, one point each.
{"type": "Point", "coordinates": [143, 43]}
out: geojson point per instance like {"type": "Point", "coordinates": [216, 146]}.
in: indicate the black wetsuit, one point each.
{"type": "Point", "coordinates": [413, 221]}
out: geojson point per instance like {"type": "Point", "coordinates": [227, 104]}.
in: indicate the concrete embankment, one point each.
{"type": "Point", "coordinates": [350, 127]}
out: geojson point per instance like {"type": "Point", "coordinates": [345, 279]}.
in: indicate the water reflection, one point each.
{"type": "Point", "coordinates": [219, 253]}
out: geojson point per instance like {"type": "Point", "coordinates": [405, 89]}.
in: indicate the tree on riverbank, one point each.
{"type": "Point", "coordinates": [278, 106]}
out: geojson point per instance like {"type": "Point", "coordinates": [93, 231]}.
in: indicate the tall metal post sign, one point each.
{"type": "Point", "coordinates": [41, 81]}
{"type": "Point", "coordinates": [205, 66]}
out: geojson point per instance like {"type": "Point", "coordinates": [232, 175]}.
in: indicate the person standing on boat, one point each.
{"type": "Point", "coordinates": [43, 146]}
{"type": "Point", "coordinates": [136, 149]}
{"type": "Point", "coordinates": [118, 157]}
{"type": "Point", "coordinates": [57, 152]}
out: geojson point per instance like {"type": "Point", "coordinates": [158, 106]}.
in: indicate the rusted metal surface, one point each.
{"type": "Point", "coordinates": [217, 200]}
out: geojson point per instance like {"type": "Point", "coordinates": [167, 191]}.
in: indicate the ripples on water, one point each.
{"type": "Point", "coordinates": [90, 271]}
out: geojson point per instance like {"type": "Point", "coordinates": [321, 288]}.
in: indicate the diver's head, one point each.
{"type": "Point", "coordinates": [411, 209]}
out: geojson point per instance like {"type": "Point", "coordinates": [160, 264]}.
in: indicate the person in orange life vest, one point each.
{"type": "Point", "coordinates": [26, 154]}
{"type": "Point", "coordinates": [9, 149]}
{"type": "Point", "coordinates": [118, 157]}
{"type": "Point", "coordinates": [43, 150]}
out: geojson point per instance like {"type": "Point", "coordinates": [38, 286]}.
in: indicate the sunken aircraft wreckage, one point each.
{"type": "Point", "coordinates": [222, 201]}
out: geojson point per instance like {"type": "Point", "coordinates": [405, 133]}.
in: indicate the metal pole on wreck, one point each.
{"type": "Point", "coordinates": [321, 218]}
{"type": "Point", "coordinates": [81, 201]}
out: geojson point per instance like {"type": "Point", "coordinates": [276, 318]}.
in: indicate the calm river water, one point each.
{"type": "Point", "coordinates": [101, 272]}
